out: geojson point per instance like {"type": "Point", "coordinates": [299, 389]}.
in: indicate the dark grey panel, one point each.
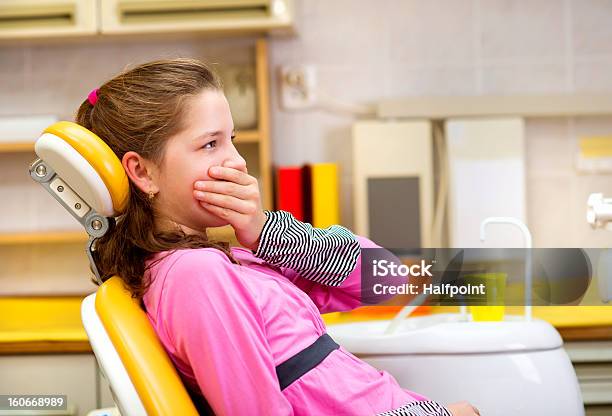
{"type": "Point", "coordinates": [394, 212]}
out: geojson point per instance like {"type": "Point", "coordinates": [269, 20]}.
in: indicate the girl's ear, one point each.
{"type": "Point", "coordinates": [140, 171]}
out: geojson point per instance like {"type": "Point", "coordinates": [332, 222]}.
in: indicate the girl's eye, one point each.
{"type": "Point", "coordinates": [213, 143]}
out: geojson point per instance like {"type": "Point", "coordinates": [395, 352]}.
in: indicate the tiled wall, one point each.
{"type": "Point", "coordinates": [367, 50]}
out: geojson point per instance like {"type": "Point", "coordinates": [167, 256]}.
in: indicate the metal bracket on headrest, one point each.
{"type": "Point", "coordinates": [95, 224]}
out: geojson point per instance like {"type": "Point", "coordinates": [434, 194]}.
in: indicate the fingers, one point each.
{"type": "Point", "coordinates": [463, 409]}
{"type": "Point", "coordinates": [237, 219]}
{"type": "Point", "coordinates": [230, 174]}
{"type": "Point", "coordinates": [241, 206]}
{"type": "Point", "coordinates": [232, 194]}
{"type": "Point", "coordinates": [227, 188]}
{"type": "Point", "coordinates": [221, 212]}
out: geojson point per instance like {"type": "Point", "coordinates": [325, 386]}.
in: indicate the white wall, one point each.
{"type": "Point", "coordinates": [396, 48]}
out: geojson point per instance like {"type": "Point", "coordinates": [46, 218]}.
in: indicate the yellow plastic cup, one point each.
{"type": "Point", "coordinates": [495, 284]}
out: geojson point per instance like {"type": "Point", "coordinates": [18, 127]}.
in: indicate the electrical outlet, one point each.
{"type": "Point", "coordinates": [298, 86]}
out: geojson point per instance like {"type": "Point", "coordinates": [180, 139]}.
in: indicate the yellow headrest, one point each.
{"type": "Point", "coordinates": [158, 384]}
{"type": "Point", "coordinates": [102, 159]}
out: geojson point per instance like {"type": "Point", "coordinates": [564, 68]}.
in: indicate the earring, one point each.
{"type": "Point", "coordinates": [151, 195]}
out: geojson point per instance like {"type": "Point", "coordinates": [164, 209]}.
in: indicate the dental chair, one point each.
{"type": "Point", "coordinates": [84, 175]}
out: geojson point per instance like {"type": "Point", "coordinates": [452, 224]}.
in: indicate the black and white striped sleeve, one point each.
{"type": "Point", "coordinates": [323, 255]}
{"type": "Point", "coordinates": [420, 408]}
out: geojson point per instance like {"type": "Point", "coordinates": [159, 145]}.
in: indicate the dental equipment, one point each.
{"type": "Point", "coordinates": [528, 244]}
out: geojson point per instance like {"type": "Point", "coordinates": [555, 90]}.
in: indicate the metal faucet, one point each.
{"type": "Point", "coordinates": [528, 245]}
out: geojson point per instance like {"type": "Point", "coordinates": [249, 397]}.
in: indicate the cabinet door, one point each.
{"type": "Point", "coordinates": [223, 16]}
{"type": "Point", "coordinates": [44, 18]}
{"type": "Point", "coordinates": [71, 374]}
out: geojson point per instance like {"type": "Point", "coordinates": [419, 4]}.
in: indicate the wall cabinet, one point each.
{"type": "Point", "coordinates": [592, 361]}
{"type": "Point", "coordinates": [61, 18]}
{"type": "Point", "coordinates": [47, 18]}
{"type": "Point", "coordinates": [138, 16]}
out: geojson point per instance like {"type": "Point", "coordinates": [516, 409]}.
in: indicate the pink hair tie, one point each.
{"type": "Point", "coordinates": [93, 96]}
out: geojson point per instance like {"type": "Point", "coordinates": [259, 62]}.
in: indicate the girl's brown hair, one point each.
{"type": "Point", "coordinates": [138, 110]}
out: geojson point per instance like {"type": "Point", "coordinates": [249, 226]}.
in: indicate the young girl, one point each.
{"type": "Point", "coordinates": [242, 325]}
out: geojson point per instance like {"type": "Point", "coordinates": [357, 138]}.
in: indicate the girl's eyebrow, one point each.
{"type": "Point", "coordinates": [213, 134]}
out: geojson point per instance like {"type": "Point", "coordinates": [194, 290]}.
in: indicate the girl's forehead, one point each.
{"type": "Point", "coordinates": [208, 111]}
{"type": "Point", "coordinates": [205, 116]}
{"type": "Point", "coordinates": [208, 100]}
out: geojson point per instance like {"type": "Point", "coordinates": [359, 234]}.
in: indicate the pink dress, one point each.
{"type": "Point", "coordinates": [227, 326]}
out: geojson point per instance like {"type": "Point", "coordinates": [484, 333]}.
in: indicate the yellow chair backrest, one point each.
{"type": "Point", "coordinates": [99, 188]}
{"type": "Point", "coordinates": [154, 377]}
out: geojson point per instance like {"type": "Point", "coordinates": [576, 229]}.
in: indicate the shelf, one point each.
{"type": "Point", "coordinates": [559, 105]}
{"type": "Point", "coordinates": [247, 136]}
{"type": "Point", "coordinates": [44, 347]}
{"type": "Point", "coordinates": [42, 325]}
{"type": "Point", "coordinates": [42, 237]}
{"type": "Point", "coordinates": [16, 147]}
